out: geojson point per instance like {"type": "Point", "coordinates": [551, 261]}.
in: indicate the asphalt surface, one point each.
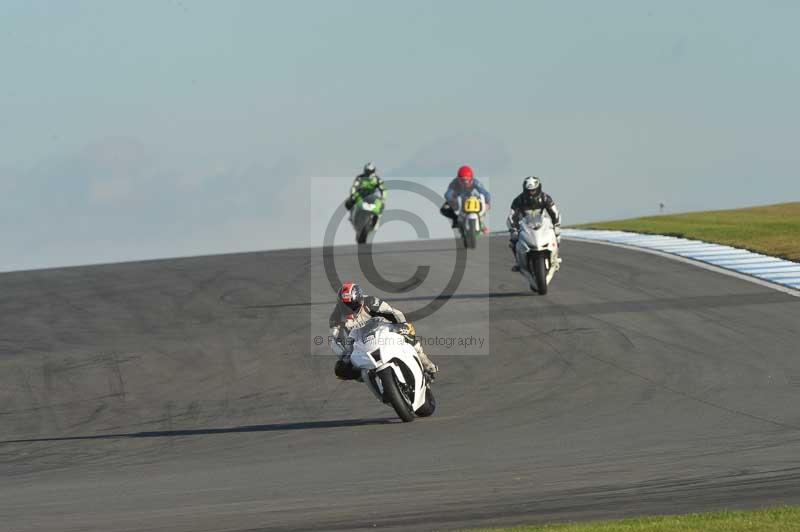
{"type": "Point", "coordinates": [187, 395]}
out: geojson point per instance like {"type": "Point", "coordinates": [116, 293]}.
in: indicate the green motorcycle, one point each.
{"type": "Point", "coordinates": [366, 213]}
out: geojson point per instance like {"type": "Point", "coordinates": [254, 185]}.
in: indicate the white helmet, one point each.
{"type": "Point", "coordinates": [532, 185]}
{"type": "Point", "coordinates": [369, 169]}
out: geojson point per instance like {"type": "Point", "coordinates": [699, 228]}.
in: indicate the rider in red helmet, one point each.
{"type": "Point", "coordinates": [353, 310]}
{"type": "Point", "coordinates": [466, 175]}
{"type": "Point", "coordinates": [463, 183]}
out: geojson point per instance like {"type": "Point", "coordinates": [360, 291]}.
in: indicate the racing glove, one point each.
{"type": "Point", "coordinates": [408, 329]}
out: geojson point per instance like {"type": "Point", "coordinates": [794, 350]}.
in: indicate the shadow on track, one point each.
{"type": "Point", "coordinates": [486, 295]}
{"type": "Point", "coordinates": [400, 251]}
{"type": "Point", "coordinates": [605, 307]}
{"type": "Point", "coordinates": [274, 427]}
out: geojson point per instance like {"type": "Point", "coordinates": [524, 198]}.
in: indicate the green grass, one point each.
{"type": "Point", "coordinates": [782, 519]}
{"type": "Point", "coordinates": [773, 229]}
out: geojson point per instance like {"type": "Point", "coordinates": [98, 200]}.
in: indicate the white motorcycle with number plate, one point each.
{"type": "Point", "coordinates": [391, 368]}
{"type": "Point", "coordinates": [537, 250]}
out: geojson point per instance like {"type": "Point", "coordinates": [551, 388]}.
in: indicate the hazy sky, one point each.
{"type": "Point", "coordinates": [145, 129]}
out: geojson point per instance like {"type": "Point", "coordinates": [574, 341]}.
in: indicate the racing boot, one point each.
{"type": "Point", "coordinates": [513, 245]}
{"type": "Point", "coordinates": [447, 211]}
{"type": "Point", "coordinates": [429, 367]}
{"type": "Point", "coordinates": [345, 371]}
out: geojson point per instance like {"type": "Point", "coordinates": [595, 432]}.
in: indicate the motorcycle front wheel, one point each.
{"type": "Point", "coordinates": [361, 237]}
{"type": "Point", "coordinates": [393, 396]}
{"type": "Point", "coordinates": [537, 265]}
{"type": "Point", "coordinates": [470, 233]}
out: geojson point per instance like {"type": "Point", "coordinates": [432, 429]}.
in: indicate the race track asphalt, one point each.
{"type": "Point", "coordinates": [185, 395]}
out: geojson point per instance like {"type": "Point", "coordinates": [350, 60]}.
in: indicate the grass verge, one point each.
{"type": "Point", "coordinates": [782, 519]}
{"type": "Point", "coordinates": [772, 229]}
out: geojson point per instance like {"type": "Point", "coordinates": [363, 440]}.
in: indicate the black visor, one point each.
{"type": "Point", "coordinates": [352, 305]}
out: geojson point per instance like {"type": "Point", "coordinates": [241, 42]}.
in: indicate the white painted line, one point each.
{"type": "Point", "coordinates": [698, 246]}
{"type": "Point", "coordinates": [781, 264]}
{"type": "Point", "coordinates": [763, 272]}
{"type": "Point", "coordinates": [752, 261]}
{"type": "Point", "coordinates": [631, 236]}
{"type": "Point", "coordinates": [783, 280]}
{"type": "Point", "coordinates": [718, 254]}
{"type": "Point", "coordinates": [652, 243]}
{"type": "Point", "coordinates": [783, 275]}
{"type": "Point", "coordinates": [724, 249]}
{"type": "Point", "coordinates": [712, 259]}
{"type": "Point", "coordinates": [648, 243]}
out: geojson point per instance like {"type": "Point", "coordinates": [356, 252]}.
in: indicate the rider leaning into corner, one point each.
{"type": "Point", "coordinates": [365, 183]}
{"type": "Point", "coordinates": [463, 183]}
{"type": "Point", "coordinates": [353, 310]}
{"type": "Point", "coordinates": [531, 198]}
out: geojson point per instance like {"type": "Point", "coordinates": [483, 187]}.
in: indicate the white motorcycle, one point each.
{"type": "Point", "coordinates": [537, 250]}
{"type": "Point", "coordinates": [471, 211]}
{"type": "Point", "coordinates": [391, 368]}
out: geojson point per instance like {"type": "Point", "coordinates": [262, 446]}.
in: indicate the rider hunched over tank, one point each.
{"type": "Point", "coordinates": [534, 225]}
{"type": "Point", "coordinates": [466, 203]}
{"type": "Point", "coordinates": [366, 202]}
{"type": "Point", "coordinates": [376, 345]}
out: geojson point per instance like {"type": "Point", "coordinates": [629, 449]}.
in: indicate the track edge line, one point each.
{"type": "Point", "coordinates": [700, 264]}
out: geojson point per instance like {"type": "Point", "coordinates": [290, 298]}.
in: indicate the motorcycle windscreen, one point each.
{"type": "Point", "coordinates": [534, 219]}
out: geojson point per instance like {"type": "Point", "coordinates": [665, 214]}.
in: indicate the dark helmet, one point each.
{"type": "Point", "coordinates": [369, 169]}
{"type": "Point", "coordinates": [532, 186]}
{"type": "Point", "coordinates": [351, 296]}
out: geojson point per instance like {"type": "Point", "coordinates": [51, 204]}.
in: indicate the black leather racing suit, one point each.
{"type": "Point", "coordinates": [527, 202]}
{"type": "Point", "coordinates": [343, 320]}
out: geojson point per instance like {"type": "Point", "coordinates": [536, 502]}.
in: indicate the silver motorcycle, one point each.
{"type": "Point", "coordinates": [537, 250]}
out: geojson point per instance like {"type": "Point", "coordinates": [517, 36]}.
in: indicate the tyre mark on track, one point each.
{"type": "Point", "coordinates": [667, 388]}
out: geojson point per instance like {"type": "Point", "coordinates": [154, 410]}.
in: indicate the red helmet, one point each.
{"type": "Point", "coordinates": [465, 176]}
{"type": "Point", "coordinates": [350, 294]}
